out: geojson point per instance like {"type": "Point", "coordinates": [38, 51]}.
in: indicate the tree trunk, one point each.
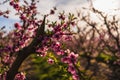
{"type": "Point", "coordinates": [25, 52]}
{"type": "Point", "coordinates": [22, 55]}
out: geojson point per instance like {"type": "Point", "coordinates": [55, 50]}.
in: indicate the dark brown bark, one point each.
{"type": "Point", "coordinates": [14, 69]}
{"type": "Point", "coordinates": [25, 52]}
{"type": "Point", "coordinates": [17, 63]}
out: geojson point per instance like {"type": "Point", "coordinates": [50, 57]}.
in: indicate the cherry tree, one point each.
{"type": "Point", "coordinates": [33, 35]}
{"type": "Point", "coordinates": [56, 41]}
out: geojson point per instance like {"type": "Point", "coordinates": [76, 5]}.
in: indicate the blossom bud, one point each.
{"type": "Point", "coordinates": [17, 25]}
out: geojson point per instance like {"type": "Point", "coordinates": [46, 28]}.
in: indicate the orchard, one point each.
{"type": "Point", "coordinates": [92, 52]}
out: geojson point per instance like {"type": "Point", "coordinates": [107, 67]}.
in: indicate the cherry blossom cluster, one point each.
{"type": "Point", "coordinates": [26, 31]}
{"type": "Point", "coordinates": [71, 60]}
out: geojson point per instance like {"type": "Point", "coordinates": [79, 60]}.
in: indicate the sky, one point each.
{"type": "Point", "coordinates": [108, 6]}
{"type": "Point", "coordinates": [44, 7]}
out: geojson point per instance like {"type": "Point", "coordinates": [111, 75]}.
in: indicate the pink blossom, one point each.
{"type": "Point", "coordinates": [56, 47]}
{"type": "Point", "coordinates": [75, 77]}
{"type": "Point", "coordinates": [71, 69]}
{"type": "Point", "coordinates": [17, 49]}
{"type": "Point", "coordinates": [65, 59]}
{"type": "Point", "coordinates": [17, 25]}
{"type": "Point", "coordinates": [7, 59]}
{"type": "Point", "coordinates": [16, 6]}
{"type": "Point", "coordinates": [12, 3]}
{"type": "Point", "coordinates": [43, 54]}
{"type": "Point", "coordinates": [22, 17]}
{"type": "Point", "coordinates": [42, 50]}
{"type": "Point", "coordinates": [22, 44]}
{"type": "Point", "coordinates": [67, 51]}
{"type": "Point", "coordinates": [20, 76]}
{"type": "Point", "coordinates": [50, 61]}
{"type": "Point", "coordinates": [60, 53]}
{"type": "Point", "coordinates": [72, 57]}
